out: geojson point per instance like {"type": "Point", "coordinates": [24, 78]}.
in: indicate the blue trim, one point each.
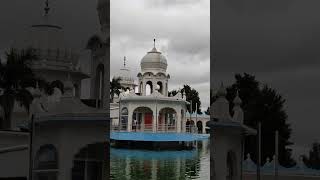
{"type": "Point", "coordinates": [157, 137]}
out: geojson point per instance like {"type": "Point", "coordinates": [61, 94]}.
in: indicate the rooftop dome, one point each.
{"type": "Point", "coordinates": [48, 41]}
{"type": "Point", "coordinates": [154, 61]}
{"type": "Point", "coordinates": [53, 52]}
{"type": "Point", "coordinates": [125, 74]}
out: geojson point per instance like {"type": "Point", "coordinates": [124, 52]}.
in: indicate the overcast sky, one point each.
{"type": "Point", "coordinates": [182, 32]}
{"type": "Point", "coordinates": [279, 43]}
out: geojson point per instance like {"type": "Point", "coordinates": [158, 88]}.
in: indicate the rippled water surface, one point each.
{"type": "Point", "coordinates": [161, 165]}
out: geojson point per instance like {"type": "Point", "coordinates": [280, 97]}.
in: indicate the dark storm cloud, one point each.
{"type": "Point", "coordinates": [278, 42]}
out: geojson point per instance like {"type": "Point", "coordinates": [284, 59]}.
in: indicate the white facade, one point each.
{"type": "Point", "coordinates": [152, 111]}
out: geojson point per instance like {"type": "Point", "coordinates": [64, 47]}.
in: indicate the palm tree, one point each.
{"type": "Point", "coordinates": [15, 76]}
{"type": "Point", "coordinates": [115, 87]}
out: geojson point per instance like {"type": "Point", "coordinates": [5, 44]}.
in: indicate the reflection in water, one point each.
{"type": "Point", "coordinates": [161, 165]}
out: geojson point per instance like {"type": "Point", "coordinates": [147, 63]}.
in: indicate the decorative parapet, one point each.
{"type": "Point", "coordinates": [269, 168]}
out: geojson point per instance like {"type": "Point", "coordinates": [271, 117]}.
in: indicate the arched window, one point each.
{"type": "Point", "coordinates": [124, 112]}
{"type": "Point", "coordinates": [46, 158]}
{"type": "Point", "coordinates": [160, 87]}
{"type": "Point", "coordinates": [149, 88]}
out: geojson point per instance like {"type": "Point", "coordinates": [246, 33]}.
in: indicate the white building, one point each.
{"type": "Point", "coordinates": [149, 109]}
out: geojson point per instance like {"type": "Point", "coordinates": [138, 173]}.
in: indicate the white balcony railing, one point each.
{"type": "Point", "coordinates": [149, 128]}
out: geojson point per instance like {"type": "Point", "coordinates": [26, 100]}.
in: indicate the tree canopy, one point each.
{"type": "Point", "coordinates": [15, 76]}
{"type": "Point", "coordinates": [115, 87]}
{"type": "Point", "coordinates": [192, 95]}
{"type": "Point", "coordinates": [262, 103]}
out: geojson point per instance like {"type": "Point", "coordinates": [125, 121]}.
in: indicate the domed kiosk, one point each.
{"type": "Point", "coordinates": [150, 115]}
{"type": "Point", "coordinates": [153, 73]}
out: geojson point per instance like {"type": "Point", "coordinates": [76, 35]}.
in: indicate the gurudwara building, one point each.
{"type": "Point", "coordinates": [146, 106]}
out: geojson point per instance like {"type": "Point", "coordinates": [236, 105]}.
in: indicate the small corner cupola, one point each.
{"type": "Point", "coordinates": [221, 106]}
{"type": "Point", "coordinates": [237, 110]}
{"type": "Point", "coordinates": [237, 101]}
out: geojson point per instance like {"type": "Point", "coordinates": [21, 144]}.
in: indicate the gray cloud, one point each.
{"type": "Point", "coordinates": [182, 33]}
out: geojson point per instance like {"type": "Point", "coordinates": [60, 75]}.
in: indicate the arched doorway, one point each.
{"type": "Point", "coordinates": [46, 163]}
{"type": "Point", "coordinates": [99, 85]}
{"type": "Point", "coordinates": [167, 120]}
{"type": "Point", "coordinates": [124, 119]}
{"type": "Point", "coordinates": [142, 118]}
{"type": "Point", "coordinates": [149, 88]}
{"type": "Point", "coordinates": [199, 127]}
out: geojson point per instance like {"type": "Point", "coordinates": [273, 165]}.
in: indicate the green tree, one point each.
{"type": "Point", "coordinates": [313, 161]}
{"type": "Point", "coordinates": [262, 103]}
{"type": "Point", "coordinates": [15, 76]}
{"type": "Point", "coordinates": [115, 87]}
{"type": "Point", "coordinates": [172, 93]}
{"type": "Point", "coordinates": [192, 95]}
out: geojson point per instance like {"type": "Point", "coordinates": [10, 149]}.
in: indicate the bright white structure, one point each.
{"type": "Point", "coordinates": [151, 109]}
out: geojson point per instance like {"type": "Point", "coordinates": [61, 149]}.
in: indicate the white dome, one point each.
{"type": "Point", "coordinates": [154, 61]}
{"type": "Point", "coordinates": [50, 46]}
{"type": "Point", "coordinates": [124, 74]}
